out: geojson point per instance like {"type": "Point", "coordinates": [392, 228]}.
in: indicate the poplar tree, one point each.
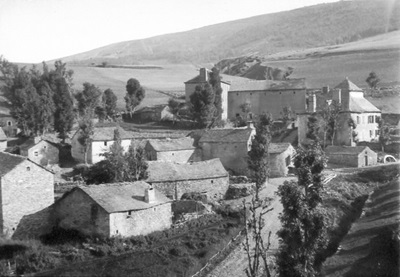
{"type": "Point", "coordinates": [135, 94]}
{"type": "Point", "coordinates": [202, 105]}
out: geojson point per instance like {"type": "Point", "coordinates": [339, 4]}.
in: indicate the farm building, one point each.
{"type": "Point", "coordinates": [40, 151]}
{"type": "Point", "coordinates": [229, 145]}
{"type": "Point", "coordinates": [174, 179]}
{"type": "Point", "coordinates": [170, 150]}
{"type": "Point", "coordinates": [3, 140]}
{"type": "Point", "coordinates": [280, 156]}
{"type": "Point", "coordinates": [25, 188]}
{"type": "Point", "coordinates": [121, 209]}
{"type": "Point", "coordinates": [101, 140]}
{"type": "Point", "coordinates": [356, 156]}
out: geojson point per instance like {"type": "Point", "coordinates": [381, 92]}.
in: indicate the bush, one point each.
{"type": "Point", "coordinates": [80, 169]}
{"type": "Point", "coordinates": [196, 196]}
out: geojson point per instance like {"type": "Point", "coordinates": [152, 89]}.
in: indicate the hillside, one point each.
{"type": "Point", "coordinates": [319, 25]}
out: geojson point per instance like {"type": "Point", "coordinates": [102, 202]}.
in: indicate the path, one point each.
{"type": "Point", "coordinates": [236, 262]}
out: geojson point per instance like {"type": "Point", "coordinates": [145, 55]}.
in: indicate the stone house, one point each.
{"type": "Point", "coordinates": [121, 209]}
{"type": "Point", "coordinates": [229, 145]}
{"type": "Point", "coordinates": [266, 96]}
{"type": "Point", "coordinates": [175, 179]}
{"type": "Point", "coordinates": [280, 159]}
{"type": "Point", "coordinates": [3, 140]}
{"type": "Point", "coordinates": [353, 107]}
{"type": "Point", "coordinates": [25, 188]}
{"type": "Point", "coordinates": [170, 150]}
{"type": "Point", "coordinates": [352, 156]}
{"type": "Point", "coordinates": [103, 137]}
{"type": "Point", "coordinates": [40, 151]}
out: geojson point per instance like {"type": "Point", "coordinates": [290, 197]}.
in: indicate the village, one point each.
{"type": "Point", "coordinates": [43, 189]}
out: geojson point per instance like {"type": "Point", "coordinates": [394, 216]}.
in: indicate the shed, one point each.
{"type": "Point", "coordinates": [124, 209]}
{"type": "Point", "coordinates": [170, 150]}
{"type": "Point", "coordinates": [175, 179]}
{"type": "Point", "coordinates": [352, 156]}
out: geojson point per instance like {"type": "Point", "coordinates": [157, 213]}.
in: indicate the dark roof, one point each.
{"type": "Point", "coordinates": [345, 150]}
{"type": "Point", "coordinates": [9, 161]}
{"type": "Point", "coordinates": [361, 105]}
{"type": "Point", "coordinates": [171, 144]}
{"type": "Point", "coordinates": [227, 135]}
{"type": "Point", "coordinates": [277, 148]}
{"type": "Point", "coordinates": [346, 84]}
{"type": "Point", "coordinates": [121, 197]}
{"type": "Point", "coordinates": [167, 171]}
{"type": "Point", "coordinates": [3, 136]}
{"type": "Point", "coordinates": [101, 133]}
{"type": "Point", "coordinates": [263, 85]}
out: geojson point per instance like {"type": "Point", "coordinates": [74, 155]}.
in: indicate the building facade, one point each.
{"type": "Point", "coordinates": [3, 140]}
{"type": "Point", "coordinates": [170, 150]}
{"type": "Point", "coordinates": [356, 156]}
{"type": "Point", "coordinates": [25, 188]}
{"type": "Point", "coordinates": [122, 209]}
{"type": "Point", "coordinates": [280, 159]}
{"type": "Point", "coordinates": [40, 151]}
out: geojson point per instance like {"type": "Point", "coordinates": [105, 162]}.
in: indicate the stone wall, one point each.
{"type": "Point", "coordinates": [278, 163]}
{"type": "Point", "coordinates": [214, 188]}
{"type": "Point", "coordinates": [25, 190]}
{"type": "Point", "coordinates": [142, 222]}
{"type": "Point", "coordinates": [182, 156]}
{"type": "Point", "coordinates": [353, 160]}
{"type": "Point", "coordinates": [43, 153]}
{"type": "Point", "coordinates": [74, 211]}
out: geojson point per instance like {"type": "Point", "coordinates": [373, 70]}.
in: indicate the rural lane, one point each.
{"type": "Point", "coordinates": [236, 262]}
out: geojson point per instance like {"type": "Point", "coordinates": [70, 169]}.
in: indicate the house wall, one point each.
{"type": "Point", "coordinates": [100, 147]}
{"type": "Point", "coordinates": [74, 211]}
{"type": "Point", "coordinates": [3, 145]}
{"type": "Point", "coordinates": [278, 163]}
{"type": "Point", "coordinates": [214, 187]}
{"type": "Point", "coordinates": [233, 156]}
{"type": "Point", "coordinates": [354, 160]}
{"type": "Point", "coordinates": [266, 101]}
{"type": "Point", "coordinates": [182, 156]}
{"type": "Point", "coordinates": [24, 191]}
{"type": "Point", "coordinates": [141, 222]}
{"type": "Point", "coordinates": [42, 153]}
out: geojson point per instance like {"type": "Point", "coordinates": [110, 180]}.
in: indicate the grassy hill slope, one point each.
{"type": "Point", "coordinates": [319, 25]}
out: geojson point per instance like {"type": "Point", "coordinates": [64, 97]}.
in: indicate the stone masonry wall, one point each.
{"type": "Point", "coordinates": [182, 156]}
{"type": "Point", "coordinates": [26, 189]}
{"type": "Point", "coordinates": [74, 211]}
{"type": "Point", "coordinates": [214, 188]}
{"type": "Point", "coordinates": [46, 153]}
{"type": "Point", "coordinates": [141, 222]}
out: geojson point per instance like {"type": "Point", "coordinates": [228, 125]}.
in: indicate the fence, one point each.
{"type": "Point", "coordinates": [217, 255]}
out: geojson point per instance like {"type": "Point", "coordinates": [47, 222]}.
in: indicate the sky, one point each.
{"type": "Point", "coordinates": [33, 31]}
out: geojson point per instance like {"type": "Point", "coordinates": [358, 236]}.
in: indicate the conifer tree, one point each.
{"type": "Point", "coordinates": [202, 105]}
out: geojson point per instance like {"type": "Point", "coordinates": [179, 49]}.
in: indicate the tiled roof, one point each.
{"type": "Point", "coordinates": [262, 85]}
{"type": "Point", "coordinates": [226, 135]}
{"type": "Point", "coordinates": [3, 136]}
{"type": "Point", "coordinates": [107, 133]}
{"type": "Point", "coordinates": [351, 150]}
{"type": "Point", "coordinates": [277, 148]}
{"type": "Point", "coordinates": [121, 197]}
{"type": "Point", "coordinates": [346, 84]}
{"type": "Point", "coordinates": [167, 171]}
{"type": "Point", "coordinates": [361, 105]}
{"type": "Point", "coordinates": [9, 161]}
{"type": "Point", "coordinates": [171, 144]}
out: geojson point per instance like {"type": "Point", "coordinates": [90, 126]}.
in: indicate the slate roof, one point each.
{"type": "Point", "coordinates": [167, 171]}
{"type": "Point", "coordinates": [345, 150]}
{"type": "Point", "coordinates": [171, 144]}
{"type": "Point", "coordinates": [226, 135]}
{"type": "Point", "coordinates": [263, 85]}
{"type": "Point", "coordinates": [120, 197]}
{"type": "Point", "coordinates": [361, 105]}
{"type": "Point", "coordinates": [277, 148]}
{"type": "Point", "coordinates": [3, 136]}
{"type": "Point", "coordinates": [9, 161]}
{"type": "Point", "coordinates": [346, 84]}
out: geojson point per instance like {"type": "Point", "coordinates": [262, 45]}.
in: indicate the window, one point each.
{"type": "Point", "coordinates": [371, 134]}
{"type": "Point", "coordinates": [212, 181]}
{"type": "Point", "coordinates": [9, 123]}
{"type": "Point", "coordinates": [36, 153]}
{"type": "Point", "coordinates": [376, 133]}
{"type": "Point", "coordinates": [358, 119]}
{"type": "Point", "coordinates": [28, 168]}
{"type": "Point", "coordinates": [129, 214]}
{"type": "Point", "coordinates": [370, 119]}
{"type": "Point", "coordinates": [237, 115]}
{"type": "Point", "coordinates": [294, 92]}
{"type": "Point", "coordinates": [105, 143]}
{"type": "Point", "coordinates": [94, 212]}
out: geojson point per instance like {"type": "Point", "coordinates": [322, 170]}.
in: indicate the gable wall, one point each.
{"type": "Point", "coordinates": [181, 156]}
{"type": "Point", "coordinates": [24, 192]}
{"type": "Point", "coordinates": [278, 163]}
{"type": "Point", "coordinates": [46, 153]}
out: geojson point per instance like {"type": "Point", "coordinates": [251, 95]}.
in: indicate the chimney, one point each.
{"type": "Point", "coordinates": [149, 195]}
{"type": "Point", "coordinates": [203, 74]}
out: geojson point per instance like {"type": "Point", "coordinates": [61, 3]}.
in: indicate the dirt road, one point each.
{"type": "Point", "coordinates": [236, 262]}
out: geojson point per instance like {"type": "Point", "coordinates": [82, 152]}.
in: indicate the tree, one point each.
{"type": "Point", "coordinates": [202, 105]}
{"type": "Point", "coordinates": [372, 80]}
{"type": "Point", "coordinates": [215, 82]}
{"type": "Point", "coordinates": [303, 232]}
{"type": "Point", "coordinates": [136, 163]}
{"type": "Point", "coordinates": [135, 93]}
{"type": "Point", "coordinates": [116, 159]}
{"type": "Point", "coordinates": [328, 122]}
{"type": "Point", "coordinates": [313, 128]}
{"type": "Point", "coordinates": [86, 128]}
{"type": "Point", "coordinates": [287, 114]}
{"type": "Point", "coordinates": [384, 133]}
{"type": "Point", "coordinates": [109, 100]}
{"type": "Point", "coordinates": [174, 108]}
{"type": "Point", "coordinates": [88, 100]}
{"type": "Point", "coordinates": [354, 135]}
{"type": "Point", "coordinates": [258, 156]}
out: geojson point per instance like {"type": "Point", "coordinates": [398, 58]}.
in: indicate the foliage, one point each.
{"type": "Point", "coordinates": [313, 128]}
{"type": "Point", "coordinates": [86, 130]}
{"type": "Point", "coordinates": [202, 105]}
{"type": "Point", "coordinates": [88, 100]}
{"type": "Point", "coordinates": [174, 107]}
{"type": "Point", "coordinates": [303, 231]}
{"type": "Point", "coordinates": [372, 80]}
{"type": "Point", "coordinates": [384, 132]}
{"type": "Point", "coordinates": [258, 157]}
{"type": "Point", "coordinates": [353, 125]}
{"type": "Point", "coordinates": [329, 121]}
{"type": "Point", "coordinates": [109, 100]}
{"type": "Point", "coordinates": [136, 163]}
{"type": "Point", "coordinates": [215, 82]}
{"type": "Point", "coordinates": [135, 93]}
{"type": "Point", "coordinates": [287, 114]}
